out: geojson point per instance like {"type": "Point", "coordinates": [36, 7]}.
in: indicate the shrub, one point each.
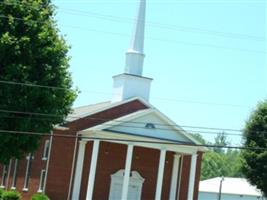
{"type": "Point", "coordinates": [11, 195]}
{"type": "Point", "coordinates": [1, 193]}
{"type": "Point", "coordinates": [39, 197]}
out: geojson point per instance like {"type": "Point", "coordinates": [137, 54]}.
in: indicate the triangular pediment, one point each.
{"type": "Point", "coordinates": [149, 123]}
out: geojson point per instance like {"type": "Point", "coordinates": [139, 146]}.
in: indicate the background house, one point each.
{"type": "Point", "coordinates": [232, 189]}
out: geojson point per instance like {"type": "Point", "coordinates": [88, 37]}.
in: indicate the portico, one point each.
{"type": "Point", "coordinates": [138, 136]}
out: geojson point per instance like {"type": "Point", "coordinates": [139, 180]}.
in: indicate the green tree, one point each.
{"type": "Point", "coordinates": [33, 52]}
{"type": "Point", "coordinates": [234, 161]}
{"type": "Point", "coordinates": [255, 137]}
{"type": "Point", "coordinates": [218, 162]}
{"type": "Point", "coordinates": [220, 140]}
{"type": "Point", "coordinates": [213, 165]}
{"type": "Point", "coordinates": [200, 139]}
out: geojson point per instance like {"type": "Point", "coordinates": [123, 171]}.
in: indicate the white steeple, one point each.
{"type": "Point", "coordinates": [132, 83]}
{"type": "Point", "coordinates": [135, 54]}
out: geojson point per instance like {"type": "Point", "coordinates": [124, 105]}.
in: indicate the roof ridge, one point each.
{"type": "Point", "coordinates": [91, 104]}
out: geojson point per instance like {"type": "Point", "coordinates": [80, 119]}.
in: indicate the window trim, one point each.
{"type": "Point", "coordinates": [46, 150]}
{"type": "Point", "coordinates": [29, 159]}
{"type": "Point", "coordinates": [41, 182]}
{"type": "Point", "coordinates": [4, 176]}
{"type": "Point", "coordinates": [15, 175]}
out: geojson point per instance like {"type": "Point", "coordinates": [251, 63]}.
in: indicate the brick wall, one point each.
{"type": "Point", "coordinates": [37, 165]}
{"type": "Point", "coordinates": [60, 167]}
{"type": "Point", "coordinates": [111, 159]}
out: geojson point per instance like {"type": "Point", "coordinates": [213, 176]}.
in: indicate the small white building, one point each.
{"type": "Point", "coordinates": [232, 189]}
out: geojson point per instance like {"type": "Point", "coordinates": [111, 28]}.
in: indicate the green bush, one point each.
{"type": "Point", "coordinates": [11, 195]}
{"type": "Point", "coordinates": [1, 193]}
{"type": "Point", "coordinates": [39, 197]}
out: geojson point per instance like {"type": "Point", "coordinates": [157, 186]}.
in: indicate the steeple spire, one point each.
{"type": "Point", "coordinates": [135, 53]}
{"type": "Point", "coordinates": [131, 83]}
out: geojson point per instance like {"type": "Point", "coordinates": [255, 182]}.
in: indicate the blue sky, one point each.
{"type": "Point", "coordinates": [207, 58]}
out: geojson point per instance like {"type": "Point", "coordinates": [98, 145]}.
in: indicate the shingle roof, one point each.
{"type": "Point", "coordinates": [83, 111]}
{"type": "Point", "coordinates": [236, 186]}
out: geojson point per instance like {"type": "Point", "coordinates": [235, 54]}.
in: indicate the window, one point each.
{"type": "Point", "coordinates": [4, 176]}
{"type": "Point", "coordinates": [135, 186]}
{"type": "Point", "coordinates": [150, 126]}
{"type": "Point", "coordinates": [27, 172]}
{"type": "Point", "coordinates": [14, 180]}
{"type": "Point", "coordinates": [42, 178]}
{"type": "Point", "coordinates": [46, 150]}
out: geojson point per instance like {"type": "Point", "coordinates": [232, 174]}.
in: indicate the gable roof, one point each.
{"type": "Point", "coordinates": [84, 111]}
{"type": "Point", "coordinates": [234, 186]}
{"type": "Point", "coordinates": [134, 124]}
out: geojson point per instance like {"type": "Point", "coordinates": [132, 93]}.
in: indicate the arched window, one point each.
{"type": "Point", "coordinates": [135, 185]}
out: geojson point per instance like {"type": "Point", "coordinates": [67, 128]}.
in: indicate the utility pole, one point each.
{"type": "Point", "coordinates": [220, 190]}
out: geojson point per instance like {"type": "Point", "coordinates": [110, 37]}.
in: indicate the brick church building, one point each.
{"type": "Point", "coordinates": [122, 149]}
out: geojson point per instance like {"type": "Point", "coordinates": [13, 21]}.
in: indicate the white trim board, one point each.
{"type": "Point", "coordinates": [134, 125]}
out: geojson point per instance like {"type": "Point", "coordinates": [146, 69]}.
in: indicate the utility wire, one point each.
{"type": "Point", "coordinates": [157, 128]}
{"type": "Point", "coordinates": [87, 91]}
{"type": "Point", "coordinates": [122, 121]}
{"type": "Point", "coordinates": [142, 123]}
{"type": "Point", "coordinates": [172, 1]}
{"type": "Point", "coordinates": [150, 23]}
{"type": "Point", "coordinates": [180, 143]}
{"type": "Point", "coordinates": [69, 116]}
{"type": "Point", "coordinates": [173, 41]}
{"type": "Point", "coordinates": [35, 85]}
{"type": "Point", "coordinates": [163, 26]}
{"type": "Point", "coordinates": [165, 2]}
{"type": "Point", "coordinates": [159, 39]}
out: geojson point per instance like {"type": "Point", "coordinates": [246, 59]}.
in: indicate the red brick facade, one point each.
{"type": "Point", "coordinates": [111, 158]}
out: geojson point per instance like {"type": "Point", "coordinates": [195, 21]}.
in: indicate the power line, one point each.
{"type": "Point", "coordinates": [71, 116]}
{"type": "Point", "coordinates": [35, 85]}
{"type": "Point", "coordinates": [180, 143]}
{"type": "Point", "coordinates": [150, 23]}
{"type": "Point", "coordinates": [172, 41]}
{"type": "Point", "coordinates": [168, 1]}
{"type": "Point", "coordinates": [108, 119]}
{"type": "Point", "coordinates": [88, 91]}
{"type": "Point", "coordinates": [138, 127]}
{"type": "Point", "coordinates": [159, 39]}
{"type": "Point", "coordinates": [164, 26]}
{"type": "Point", "coordinates": [200, 102]}
{"type": "Point", "coordinates": [151, 2]}
{"type": "Point", "coordinates": [142, 123]}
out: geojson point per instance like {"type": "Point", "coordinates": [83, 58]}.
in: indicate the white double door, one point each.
{"type": "Point", "coordinates": [133, 192]}
{"type": "Point", "coordinates": [135, 186]}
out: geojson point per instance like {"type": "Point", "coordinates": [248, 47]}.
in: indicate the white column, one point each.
{"type": "Point", "coordinates": [127, 171]}
{"type": "Point", "coordinates": [180, 177]}
{"type": "Point", "coordinates": [160, 174]}
{"type": "Point", "coordinates": [175, 173]}
{"type": "Point", "coordinates": [91, 180]}
{"type": "Point", "coordinates": [192, 176]}
{"type": "Point", "coordinates": [78, 171]}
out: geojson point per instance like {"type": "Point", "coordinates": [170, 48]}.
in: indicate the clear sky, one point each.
{"type": "Point", "coordinates": [207, 57]}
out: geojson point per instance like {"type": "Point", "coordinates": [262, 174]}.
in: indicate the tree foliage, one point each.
{"type": "Point", "coordinates": [226, 164]}
{"type": "Point", "coordinates": [218, 161]}
{"type": "Point", "coordinates": [220, 140]}
{"type": "Point", "coordinates": [31, 51]}
{"type": "Point", "coordinates": [255, 136]}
